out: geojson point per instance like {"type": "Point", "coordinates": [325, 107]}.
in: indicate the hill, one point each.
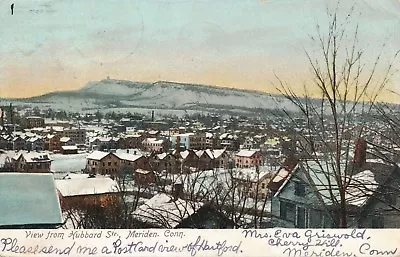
{"type": "Point", "coordinates": [167, 97]}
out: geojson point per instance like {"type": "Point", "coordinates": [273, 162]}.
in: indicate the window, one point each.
{"type": "Point", "coordinates": [287, 211]}
{"type": "Point", "coordinates": [301, 217]}
{"type": "Point", "coordinates": [300, 189]}
{"type": "Point", "coordinates": [263, 185]}
{"type": "Point", "coordinates": [377, 222]}
{"type": "Point", "coordinates": [315, 219]}
{"type": "Point", "coordinates": [109, 163]}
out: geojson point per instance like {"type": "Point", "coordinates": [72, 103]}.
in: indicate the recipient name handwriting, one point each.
{"type": "Point", "coordinates": [316, 242]}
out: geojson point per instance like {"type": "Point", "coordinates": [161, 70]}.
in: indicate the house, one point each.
{"type": "Point", "coordinates": [77, 135]}
{"type": "Point", "coordinates": [205, 160]}
{"type": "Point", "coordinates": [35, 144]}
{"type": "Point", "coordinates": [153, 145]}
{"type": "Point", "coordinates": [52, 142]}
{"type": "Point", "coordinates": [165, 162]}
{"type": "Point", "coordinates": [133, 161]}
{"type": "Point", "coordinates": [248, 158]}
{"type": "Point", "coordinates": [103, 163]}
{"type": "Point", "coordinates": [308, 196]}
{"type": "Point", "coordinates": [253, 181]}
{"type": "Point", "coordinates": [187, 159]}
{"type": "Point", "coordinates": [228, 141]}
{"type": "Point", "coordinates": [189, 141]}
{"type": "Point", "coordinates": [65, 141]}
{"type": "Point", "coordinates": [133, 141]}
{"type": "Point", "coordinates": [33, 122]}
{"type": "Point", "coordinates": [31, 163]}
{"type": "Point", "coordinates": [29, 201]}
{"type": "Point", "coordinates": [165, 211]}
{"type": "Point", "coordinates": [77, 192]}
{"type": "Point", "coordinates": [18, 143]}
{"type": "Point", "coordinates": [144, 177]}
{"type": "Point", "coordinates": [221, 158]}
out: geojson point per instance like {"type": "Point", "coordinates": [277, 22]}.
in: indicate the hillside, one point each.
{"type": "Point", "coordinates": [122, 95]}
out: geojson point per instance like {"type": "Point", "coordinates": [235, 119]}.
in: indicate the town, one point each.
{"type": "Point", "coordinates": [132, 170]}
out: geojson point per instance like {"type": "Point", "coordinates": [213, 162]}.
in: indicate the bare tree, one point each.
{"type": "Point", "coordinates": [335, 107]}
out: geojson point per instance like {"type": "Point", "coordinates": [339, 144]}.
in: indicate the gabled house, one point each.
{"type": "Point", "coordinates": [221, 158]}
{"type": "Point", "coordinates": [52, 142]}
{"type": "Point", "coordinates": [18, 143]}
{"type": "Point", "coordinates": [35, 144]}
{"type": "Point", "coordinates": [165, 162]}
{"type": "Point", "coordinates": [188, 160]}
{"type": "Point", "coordinates": [29, 201]}
{"type": "Point", "coordinates": [103, 163]}
{"type": "Point", "coordinates": [308, 196]}
{"type": "Point", "coordinates": [31, 163]}
{"type": "Point", "coordinates": [205, 160]}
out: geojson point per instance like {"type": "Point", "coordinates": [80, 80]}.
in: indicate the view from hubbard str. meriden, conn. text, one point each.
{"type": "Point", "coordinates": [199, 114]}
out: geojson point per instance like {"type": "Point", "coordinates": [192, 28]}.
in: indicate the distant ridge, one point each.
{"type": "Point", "coordinates": [165, 96]}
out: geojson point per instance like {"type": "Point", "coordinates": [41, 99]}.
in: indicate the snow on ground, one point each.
{"type": "Point", "coordinates": [68, 163]}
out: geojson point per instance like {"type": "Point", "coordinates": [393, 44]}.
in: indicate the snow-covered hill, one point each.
{"type": "Point", "coordinates": [167, 97]}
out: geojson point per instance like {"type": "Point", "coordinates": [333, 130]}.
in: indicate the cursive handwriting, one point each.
{"type": "Point", "coordinates": [11, 245]}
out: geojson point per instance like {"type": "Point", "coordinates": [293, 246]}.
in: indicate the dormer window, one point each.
{"type": "Point", "coordinates": [300, 189]}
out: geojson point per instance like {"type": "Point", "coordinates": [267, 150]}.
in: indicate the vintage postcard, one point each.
{"type": "Point", "coordinates": [199, 127]}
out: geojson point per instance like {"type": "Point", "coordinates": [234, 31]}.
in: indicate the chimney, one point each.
{"type": "Point", "coordinates": [177, 190]}
{"type": "Point", "coordinates": [360, 152]}
{"type": "Point", "coordinates": [178, 144]}
{"type": "Point", "coordinates": [152, 116]}
{"type": "Point", "coordinates": [2, 118]}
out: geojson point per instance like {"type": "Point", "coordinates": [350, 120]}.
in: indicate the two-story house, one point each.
{"type": "Point", "coordinates": [31, 163]}
{"type": "Point", "coordinates": [248, 158]}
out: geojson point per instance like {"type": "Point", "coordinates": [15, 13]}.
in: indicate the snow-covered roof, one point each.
{"type": "Point", "coordinates": [97, 155]}
{"type": "Point", "coordinates": [184, 154]}
{"type": "Point", "coordinates": [153, 141]}
{"type": "Point", "coordinates": [28, 199]}
{"type": "Point", "coordinates": [128, 156]}
{"type": "Point", "coordinates": [86, 186]}
{"type": "Point", "coordinates": [69, 147]}
{"type": "Point", "coordinates": [361, 187]}
{"type": "Point", "coordinates": [246, 153]}
{"type": "Point", "coordinates": [162, 211]}
{"type": "Point", "coordinates": [64, 139]}
{"type": "Point", "coordinates": [142, 171]}
{"type": "Point", "coordinates": [161, 156]}
{"type": "Point", "coordinates": [217, 153]}
{"type": "Point", "coordinates": [32, 156]}
{"type": "Point", "coordinates": [251, 175]}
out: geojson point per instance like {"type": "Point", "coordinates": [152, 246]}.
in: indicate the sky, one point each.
{"type": "Point", "coordinates": [54, 45]}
